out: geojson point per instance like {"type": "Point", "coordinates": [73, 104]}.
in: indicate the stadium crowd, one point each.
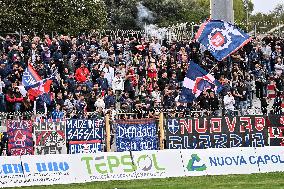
{"type": "Point", "coordinates": [129, 73]}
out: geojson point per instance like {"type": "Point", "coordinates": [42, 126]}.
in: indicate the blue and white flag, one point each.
{"type": "Point", "coordinates": [196, 81]}
{"type": "Point", "coordinates": [221, 38]}
{"type": "Point", "coordinates": [30, 76]}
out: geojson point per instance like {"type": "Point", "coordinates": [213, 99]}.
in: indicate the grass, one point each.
{"type": "Point", "coordinates": [257, 181]}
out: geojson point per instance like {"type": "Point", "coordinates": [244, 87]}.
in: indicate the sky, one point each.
{"type": "Point", "coordinates": [265, 6]}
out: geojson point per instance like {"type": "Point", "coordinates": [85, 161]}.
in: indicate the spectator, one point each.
{"type": "Point", "coordinates": [100, 104]}
{"type": "Point", "coordinates": [46, 55]}
{"type": "Point", "coordinates": [242, 91]}
{"type": "Point", "coordinates": [109, 73]}
{"type": "Point", "coordinates": [163, 81]}
{"type": "Point", "coordinates": [229, 103]}
{"type": "Point", "coordinates": [82, 73]}
{"type": "Point", "coordinates": [259, 81]}
{"type": "Point", "coordinates": [264, 106]}
{"type": "Point", "coordinates": [277, 104]}
{"type": "Point", "coordinates": [213, 104]}
{"type": "Point", "coordinates": [109, 99]}
{"type": "Point", "coordinates": [102, 82]}
{"type": "Point", "coordinates": [128, 85]}
{"type": "Point", "coordinates": [279, 67]}
{"type": "Point", "coordinates": [141, 73]}
{"type": "Point", "coordinates": [118, 85]}
{"type": "Point", "coordinates": [18, 100]}
{"type": "Point", "coordinates": [57, 113]}
{"type": "Point", "coordinates": [80, 105]}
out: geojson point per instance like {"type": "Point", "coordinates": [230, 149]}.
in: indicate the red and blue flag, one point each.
{"type": "Point", "coordinates": [221, 38]}
{"type": "Point", "coordinates": [196, 81]}
{"type": "Point", "coordinates": [30, 76]}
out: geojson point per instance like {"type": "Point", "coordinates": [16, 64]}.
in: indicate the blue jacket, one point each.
{"type": "Point", "coordinates": [109, 101]}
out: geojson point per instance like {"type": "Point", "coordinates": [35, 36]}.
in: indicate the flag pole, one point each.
{"type": "Point", "coordinates": [213, 68]}
{"type": "Point", "coordinates": [35, 106]}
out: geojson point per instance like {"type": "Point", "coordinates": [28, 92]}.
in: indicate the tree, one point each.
{"type": "Point", "coordinates": [66, 16]}
{"type": "Point", "coordinates": [265, 22]}
{"type": "Point", "coordinates": [122, 14]}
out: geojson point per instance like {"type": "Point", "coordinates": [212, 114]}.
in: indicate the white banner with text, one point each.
{"type": "Point", "coordinates": [80, 168]}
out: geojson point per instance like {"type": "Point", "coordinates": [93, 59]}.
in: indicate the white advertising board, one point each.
{"type": "Point", "coordinates": [49, 169]}
{"type": "Point", "coordinates": [81, 168]}
{"type": "Point", "coordinates": [158, 164]}
{"type": "Point", "coordinates": [269, 159]}
{"type": "Point", "coordinates": [11, 171]}
{"type": "Point", "coordinates": [218, 161]}
{"type": "Point", "coordinates": [106, 166]}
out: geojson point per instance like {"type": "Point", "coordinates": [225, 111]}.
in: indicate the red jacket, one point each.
{"type": "Point", "coordinates": [9, 99]}
{"type": "Point", "coordinates": [152, 73]}
{"type": "Point", "coordinates": [82, 74]}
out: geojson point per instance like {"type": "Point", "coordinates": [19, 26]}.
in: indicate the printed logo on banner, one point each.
{"type": "Point", "coordinates": [220, 161]}
{"type": "Point", "coordinates": [136, 136]}
{"type": "Point", "coordinates": [191, 166]}
{"type": "Point", "coordinates": [85, 147]}
{"type": "Point", "coordinates": [20, 137]}
{"type": "Point", "coordinates": [118, 166]}
{"type": "Point", "coordinates": [276, 130]}
{"type": "Point", "coordinates": [50, 137]}
{"type": "Point", "coordinates": [84, 130]}
{"type": "Point", "coordinates": [173, 126]}
{"type": "Point", "coordinates": [269, 159]}
{"type": "Point", "coordinates": [49, 169]}
{"type": "Point", "coordinates": [217, 132]}
{"type": "Point", "coordinates": [11, 172]}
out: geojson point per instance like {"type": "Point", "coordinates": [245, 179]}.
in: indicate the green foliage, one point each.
{"type": "Point", "coordinates": [73, 16]}
{"type": "Point", "coordinates": [170, 12]}
{"type": "Point", "coordinates": [121, 14]}
{"type": "Point", "coordinates": [66, 16]}
{"type": "Point", "coordinates": [265, 22]}
{"type": "Point", "coordinates": [239, 11]}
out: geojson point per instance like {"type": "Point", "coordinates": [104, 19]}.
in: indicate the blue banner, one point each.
{"type": "Point", "coordinates": [81, 129]}
{"type": "Point", "coordinates": [136, 135]}
{"type": "Point", "coordinates": [85, 147]}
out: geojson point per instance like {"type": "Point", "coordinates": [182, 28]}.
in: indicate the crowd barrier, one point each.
{"type": "Point", "coordinates": [104, 166]}
{"type": "Point", "coordinates": [73, 136]}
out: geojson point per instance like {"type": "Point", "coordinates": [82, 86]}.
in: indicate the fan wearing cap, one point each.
{"type": "Point", "coordinates": [82, 73]}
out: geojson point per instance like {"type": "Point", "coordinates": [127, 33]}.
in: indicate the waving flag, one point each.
{"type": "Point", "coordinates": [38, 89]}
{"type": "Point", "coordinates": [30, 76]}
{"type": "Point", "coordinates": [196, 81]}
{"type": "Point", "coordinates": [221, 38]}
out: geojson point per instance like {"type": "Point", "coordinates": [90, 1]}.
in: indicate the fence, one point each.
{"type": "Point", "coordinates": [177, 32]}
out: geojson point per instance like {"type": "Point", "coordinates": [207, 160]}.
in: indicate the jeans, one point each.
{"type": "Point", "coordinates": [243, 107]}
{"type": "Point", "coordinates": [249, 98]}
{"type": "Point", "coordinates": [267, 64]}
{"type": "Point", "coordinates": [17, 107]}
{"type": "Point", "coordinates": [117, 97]}
{"type": "Point", "coordinates": [2, 103]}
{"type": "Point", "coordinates": [259, 89]}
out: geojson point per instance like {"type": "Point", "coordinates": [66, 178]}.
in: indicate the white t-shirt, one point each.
{"type": "Point", "coordinates": [2, 85]}
{"type": "Point", "coordinates": [109, 74]}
